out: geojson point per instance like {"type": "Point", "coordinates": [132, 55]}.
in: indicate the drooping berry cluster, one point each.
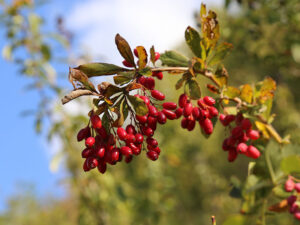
{"type": "Point", "coordinates": [203, 113]}
{"type": "Point", "coordinates": [294, 199]}
{"type": "Point", "coordinates": [240, 140]}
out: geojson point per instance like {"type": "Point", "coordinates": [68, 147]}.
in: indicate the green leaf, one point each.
{"type": "Point", "coordinates": [290, 164]}
{"type": "Point", "coordinates": [181, 81]}
{"type": "Point", "coordinates": [172, 58]}
{"type": "Point", "coordinates": [99, 69]}
{"type": "Point", "coordinates": [193, 89]}
{"type": "Point", "coordinates": [266, 89]}
{"type": "Point", "coordinates": [146, 71]}
{"type": "Point", "coordinates": [46, 52]}
{"type": "Point", "coordinates": [220, 53]}
{"type": "Point", "coordinates": [139, 105]}
{"type": "Point", "coordinates": [142, 56]}
{"type": "Point", "coordinates": [193, 39]}
{"type": "Point", "coordinates": [124, 77]}
{"type": "Point", "coordinates": [124, 49]}
{"type": "Point", "coordinates": [235, 220]}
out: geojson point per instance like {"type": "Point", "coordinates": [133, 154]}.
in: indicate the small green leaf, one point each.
{"type": "Point", "coordinates": [290, 164]}
{"type": "Point", "coordinates": [124, 49]}
{"type": "Point", "coordinates": [193, 39]}
{"type": "Point", "coordinates": [172, 58]}
{"type": "Point", "coordinates": [124, 77]}
{"type": "Point", "coordinates": [99, 69]}
{"type": "Point", "coordinates": [142, 56]}
{"type": "Point", "coordinates": [193, 89]}
{"type": "Point", "coordinates": [139, 105]}
{"type": "Point", "coordinates": [220, 53]}
{"type": "Point", "coordinates": [120, 120]}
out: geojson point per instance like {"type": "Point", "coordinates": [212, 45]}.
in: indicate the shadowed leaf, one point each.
{"type": "Point", "coordinates": [139, 105]}
{"type": "Point", "coordinates": [172, 58]}
{"type": "Point", "coordinates": [124, 49]}
{"type": "Point", "coordinates": [99, 69]}
{"type": "Point", "coordinates": [193, 39]}
{"type": "Point", "coordinates": [193, 89]}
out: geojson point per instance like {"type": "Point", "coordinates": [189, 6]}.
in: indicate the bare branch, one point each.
{"type": "Point", "coordinates": [75, 94]}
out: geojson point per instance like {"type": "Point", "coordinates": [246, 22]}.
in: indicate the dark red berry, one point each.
{"type": "Point", "coordinates": [297, 187]}
{"type": "Point", "coordinates": [292, 199]}
{"type": "Point", "coordinates": [126, 151]}
{"type": "Point", "coordinates": [191, 125]}
{"type": "Point", "coordinates": [153, 111]}
{"type": "Point", "coordinates": [152, 121]}
{"type": "Point", "coordinates": [184, 123]}
{"type": "Point", "coordinates": [96, 121]}
{"type": "Point", "coordinates": [239, 119]}
{"type": "Point", "coordinates": [148, 132]}
{"type": "Point", "coordinates": [146, 99]}
{"type": "Point", "coordinates": [121, 133]}
{"type": "Point", "coordinates": [207, 126]}
{"type": "Point", "coordinates": [209, 100]}
{"type": "Point", "coordinates": [135, 52]}
{"type": "Point", "coordinates": [196, 113]}
{"type": "Point", "coordinates": [128, 158]}
{"type": "Point", "coordinates": [141, 119]}
{"type": "Point", "coordinates": [169, 114]}
{"type": "Point", "coordinates": [101, 167]}
{"type": "Point", "coordinates": [246, 124]}
{"type": "Point", "coordinates": [127, 64]}
{"type": "Point", "coordinates": [102, 132]}
{"type": "Point", "coordinates": [130, 138]}
{"type": "Point", "coordinates": [142, 80]}
{"type": "Point", "coordinates": [158, 74]}
{"type": "Point", "coordinates": [161, 118]}
{"type": "Point", "coordinates": [115, 154]}
{"type": "Point", "coordinates": [139, 138]}
{"type": "Point", "coordinates": [178, 112]}
{"type": "Point", "coordinates": [100, 151]}
{"type": "Point", "coordinates": [242, 148]}
{"type": "Point", "coordinates": [130, 129]}
{"type": "Point", "coordinates": [152, 155]}
{"type": "Point", "coordinates": [149, 83]}
{"type": "Point", "coordinates": [92, 162]}
{"type": "Point", "coordinates": [151, 141]}
{"type": "Point", "coordinates": [86, 166]}
{"type": "Point", "coordinates": [89, 142]}
{"type": "Point", "coordinates": [232, 155]}
{"type": "Point", "coordinates": [182, 100]}
{"type": "Point", "coordinates": [87, 152]}
{"type": "Point", "coordinates": [169, 105]}
{"type": "Point", "coordinates": [213, 111]}
{"type": "Point", "coordinates": [83, 133]}
{"type": "Point", "coordinates": [237, 132]}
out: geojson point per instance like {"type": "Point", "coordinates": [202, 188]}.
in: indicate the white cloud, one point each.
{"type": "Point", "coordinates": [142, 22]}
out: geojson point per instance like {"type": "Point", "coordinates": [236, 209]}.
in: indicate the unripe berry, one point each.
{"type": "Point", "coordinates": [169, 114]}
{"type": "Point", "coordinates": [182, 100]}
{"type": "Point", "coordinates": [101, 167]}
{"type": "Point", "coordinates": [121, 133]}
{"type": "Point", "coordinates": [149, 83]}
{"type": "Point", "coordinates": [246, 124]}
{"type": "Point", "coordinates": [157, 95]}
{"type": "Point", "coordinates": [169, 105]}
{"type": "Point", "coordinates": [87, 152]}
{"type": "Point", "coordinates": [153, 111]}
{"type": "Point", "coordinates": [96, 121]}
{"type": "Point", "coordinates": [242, 148]}
{"type": "Point", "coordinates": [213, 112]}
{"type": "Point", "coordinates": [141, 119]}
{"type": "Point", "coordinates": [289, 185]}
{"type": "Point", "coordinates": [152, 155]}
{"type": "Point", "coordinates": [157, 56]}
{"type": "Point", "coordinates": [127, 64]}
{"type": "Point", "coordinates": [92, 162]}
{"type": "Point", "coordinates": [253, 134]}
{"type": "Point", "coordinates": [253, 152]}
{"type": "Point", "coordinates": [139, 138]}
{"type": "Point", "coordinates": [297, 187]}
{"type": "Point", "coordinates": [209, 100]}
{"type": "Point", "coordinates": [89, 142]}
{"type": "Point", "coordinates": [130, 129]}
{"type": "Point", "coordinates": [187, 110]}
{"type": "Point", "coordinates": [83, 133]}
{"type": "Point", "coordinates": [207, 126]}
{"type": "Point", "coordinates": [232, 155]}
{"type": "Point", "coordinates": [161, 118]}
{"type": "Point", "coordinates": [145, 98]}
{"type": "Point", "coordinates": [125, 150]}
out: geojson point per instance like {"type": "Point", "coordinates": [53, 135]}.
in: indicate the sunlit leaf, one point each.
{"type": "Point", "coordinates": [172, 58]}
{"type": "Point", "coordinates": [192, 38]}
{"type": "Point", "coordinates": [246, 93]}
{"type": "Point", "coordinates": [266, 89]}
{"type": "Point", "coordinates": [231, 92]}
{"type": "Point", "coordinates": [77, 75]}
{"type": "Point", "coordinates": [221, 76]}
{"type": "Point", "coordinates": [142, 53]}
{"type": "Point", "coordinates": [263, 129]}
{"type": "Point", "coordinates": [120, 120]}
{"type": "Point", "coordinates": [124, 49]}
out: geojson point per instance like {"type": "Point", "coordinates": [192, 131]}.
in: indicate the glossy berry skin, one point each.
{"type": "Point", "coordinates": [100, 151]}
{"type": "Point", "coordinates": [115, 154]}
{"type": "Point", "coordinates": [89, 142]}
{"type": "Point", "coordinates": [130, 138]}
{"type": "Point", "coordinates": [213, 111]}
{"type": "Point", "coordinates": [130, 129]}
{"type": "Point", "coordinates": [157, 56]}
{"type": "Point", "coordinates": [152, 155]}
{"type": "Point", "coordinates": [83, 134]}
{"type": "Point", "coordinates": [223, 120]}
{"type": "Point", "coordinates": [126, 151]}
{"type": "Point", "coordinates": [182, 100]}
{"type": "Point", "coordinates": [152, 121]}
{"type": "Point", "coordinates": [253, 152]}
{"type": "Point", "coordinates": [161, 118]}
{"type": "Point", "coordinates": [152, 111]}
{"type": "Point", "coordinates": [191, 125]}
{"type": "Point", "coordinates": [178, 112]}
{"type": "Point", "coordinates": [142, 80]}
{"type": "Point", "coordinates": [242, 148]}
{"type": "Point", "coordinates": [146, 99]}
{"type": "Point", "coordinates": [246, 124]}
{"type": "Point", "coordinates": [92, 162]}
{"type": "Point", "coordinates": [289, 185]}
{"type": "Point", "coordinates": [96, 121]}
{"type": "Point", "coordinates": [127, 64]}
{"type": "Point", "coordinates": [253, 134]}
{"type": "Point", "coordinates": [141, 119]}
{"type": "Point", "coordinates": [196, 113]}
{"type": "Point", "coordinates": [121, 133]}
{"type": "Point", "coordinates": [148, 132]}
{"type": "Point", "coordinates": [157, 95]}
{"type": "Point", "coordinates": [169, 114]}
{"type": "Point", "coordinates": [207, 126]}
{"type": "Point", "coordinates": [102, 167]}
{"type": "Point", "coordinates": [184, 123]}
{"type": "Point", "coordinates": [139, 138]}
{"type": "Point", "coordinates": [158, 74]}
{"type": "Point", "coordinates": [87, 152]}
{"type": "Point", "coordinates": [209, 100]}
{"type": "Point", "coordinates": [151, 141]}
{"type": "Point", "coordinates": [187, 110]}
{"type": "Point", "coordinates": [169, 105]}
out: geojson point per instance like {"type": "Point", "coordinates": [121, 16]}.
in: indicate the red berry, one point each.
{"type": "Point", "coordinates": [153, 111]}
{"type": "Point", "coordinates": [100, 151]}
{"type": "Point", "coordinates": [139, 138]}
{"type": "Point", "coordinates": [187, 110]}
{"type": "Point", "coordinates": [149, 83]}
{"type": "Point", "coordinates": [204, 114]}
{"type": "Point", "coordinates": [289, 185]}
{"type": "Point", "coordinates": [128, 159]}
{"type": "Point", "coordinates": [196, 113]}
{"type": "Point", "coordinates": [126, 151]}
{"type": "Point", "coordinates": [96, 121]}
{"type": "Point", "coordinates": [130, 138]}
{"type": "Point", "coordinates": [201, 103]}
{"type": "Point", "coordinates": [157, 56]}
{"type": "Point", "coordinates": [158, 74]}
{"type": "Point", "coordinates": [297, 187]}
{"type": "Point", "coordinates": [232, 155]}
{"type": "Point", "coordinates": [292, 199]}
{"type": "Point", "coordinates": [115, 154]}
{"type": "Point", "coordinates": [130, 129]}
{"type": "Point", "coordinates": [213, 112]}
{"type": "Point", "coordinates": [85, 166]}
{"type": "Point", "coordinates": [239, 119]}
{"type": "Point", "coordinates": [161, 118]}
{"type": "Point", "coordinates": [169, 105]}
{"type": "Point", "coordinates": [111, 140]}
{"type": "Point", "coordinates": [92, 162]}
{"type": "Point", "coordinates": [253, 134]}
{"type": "Point", "coordinates": [121, 133]}
{"type": "Point", "coordinates": [87, 152]}
{"type": "Point", "coordinates": [237, 132]}
{"type": "Point", "coordinates": [83, 133]}
{"type": "Point", "coordinates": [158, 95]}
{"type": "Point", "coordinates": [148, 132]}
{"type": "Point", "coordinates": [151, 141]}
{"type": "Point", "coordinates": [142, 80]}
{"type": "Point", "coordinates": [146, 99]}
{"type": "Point", "coordinates": [152, 155]}
{"type": "Point", "coordinates": [209, 100]}
{"type": "Point", "coordinates": [293, 208]}
{"type": "Point", "coordinates": [184, 123]}
{"type": "Point", "coordinates": [253, 152]}
{"type": "Point", "coordinates": [127, 64]}
{"type": "Point", "coordinates": [246, 124]}
{"type": "Point", "coordinates": [141, 119]}
{"type": "Point", "coordinates": [135, 52]}
{"type": "Point", "coordinates": [169, 114]}
{"type": "Point", "coordinates": [242, 148]}
{"type": "Point", "coordinates": [157, 150]}
{"type": "Point", "coordinates": [101, 167]}
{"type": "Point", "coordinates": [102, 132]}
{"type": "Point", "coordinates": [225, 145]}
{"type": "Point", "coordinates": [230, 118]}
{"type": "Point", "coordinates": [152, 121]}
{"type": "Point", "coordinates": [182, 100]}
{"type": "Point", "coordinates": [223, 120]}
{"type": "Point", "coordinates": [191, 125]}
{"type": "Point", "coordinates": [207, 126]}
{"type": "Point", "coordinates": [89, 142]}
{"type": "Point", "coordinates": [297, 214]}
{"type": "Point", "coordinates": [178, 112]}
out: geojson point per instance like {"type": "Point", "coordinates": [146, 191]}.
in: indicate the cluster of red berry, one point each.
{"type": "Point", "coordinates": [241, 134]}
{"type": "Point", "coordinates": [203, 113]}
{"type": "Point", "coordinates": [293, 200]}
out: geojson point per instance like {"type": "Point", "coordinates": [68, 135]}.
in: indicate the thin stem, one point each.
{"type": "Point", "coordinates": [270, 167]}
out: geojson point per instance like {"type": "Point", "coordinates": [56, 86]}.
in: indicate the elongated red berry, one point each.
{"type": "Point", "coordinates": [135, 52]}
{"type": "Point", "coordinates": [130, 138]}
{"type": "Point", "coordinates": [141, 119]}
{"type": "Point", "coordinates": [158, 95]}
{"type": "Point", "coordinates": [169, 105]}
{"type": "Point", "coordinates": [158, 74]}
{"type": "Point", "coordinates": [100, 151]}
{"type": "Point", "coordinates": [182, 100]}
{"type": "Point", "coordinates": [152, 121]}
{"type": "Point", "coordinates": [207, 126]}
{"type": "Point", "coordinates": [139, 138]}
{"type": "Point", "coordinates": [145, 98]}
{"type": "Point", "coordinates": [209, 100]}
{"type": "Point", "coordinates": [196, 113]}
{"type": "Point", "coordinates": [151, 141]}
{"type": "Point", "coordinates": [178, 112]}
{"type": "Point", "coordinates": [253, 134]}
{"type": "Point", "coordinates": [121, 133]}
{"type": "Point", "coordinates": [169, 114]}
{"type": "Point", "coordinates": [223, 120]}
{"type": "Point", "coordinates": [237, 132]}
{"type": "Point", "coordinates": [130, 129]}
{"type": "Point", "coordinates": [142, 80]}
{"type": "Point", "coordinates": [102, 167]}
{"type": "Point", "coordinates": [253, 152]}
{"type": "Point", "coordinates": [127, 64]}
{"type": "Point", "coordinates": [225, 145]}
{"type": "Point", "coordinates": [242, 148]}
{"type": "Point", "coordinates": [83, 134]}
{"type": "Point", "coordinates": [232, 155]}
{"type": "Point", "coordinates": [152, 155]}
{"type": "Point", "coordinates": [126, 151]}
{"type": "Point", "coordinates": [187, 110]}
{"type": "Point", "coordinates": [87, 152]}
{"type": "Point", "coordinates": [149, 83]}
{"type": "Point", "coordinates": [148, 132]}
{"type": "Point", "coordinates": [246, 124]}
{"type": "Point", "coordinates": [213, 112]}
{"type": "Point", "coordinates": [102, 133]}
{"type": "Point", "coordinates": [297, 187]}
{"type": "Point", "coordinates": [292, 199]}
{"type": "Point", "coordinates": [157, 56]}
{"type": "Point", "coordinates": [297, 214]}
{"type": "Point", "coordinates": [161, 118]}
{"type": "Point", "coordinates": [184, 123]}
{"type": "Point", "coordinates": [96, 121]}
{"type": "Point", "coordinates": [153, 111]}
{"type": "Point", "coordinates": [115, 154]}
{"type": "Point", "coordinates": [92, 162]}
{"type": "Point", "coordinates": [289, 185]}
{"type": "Point", "coordinates": [89, 142]}
{"type": "Point", "coordinates": [191, 125]}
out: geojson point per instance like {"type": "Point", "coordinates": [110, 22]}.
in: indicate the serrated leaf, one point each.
{"type": "Point", "coordinates": [124, 77]}
{"type": "Point", "coordinates": [193, 89]}
{"type": "Point", "coordinates": [124, 49]}
{"type": "Point", "coordinates": [139, 105]}
{"type": "Point", "coordinates": [172, 58]}
{"type": "Point", "coordinates": [99, 69]}
{"type": "Point", "coordinates": [231, 92]}
{"type": "Point", "coordinates": [290, 164]}
{"type": "Point", "coordinates": [152, 55]}
{"type": "Point", "coordinates": [246, 93]}
{"type": "Point", "coordinates": [142, 53]}
{"type": "Point", "coordinates": [219, 53]}
{"type": "Point", "coordinates": [192, 38]}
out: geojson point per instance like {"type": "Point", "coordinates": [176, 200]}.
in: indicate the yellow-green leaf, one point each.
{"type": "Point", "coordinates": [142, 53]}
{"type": "Point", "coordinates": [246, 93]}
{"type": "Point", "coordinates": [219, 54]}
{"type": "Point", "coordinates": [192, 38]}
{"type": "Point", "coordinates": [231, 92]}
{"type": "Point", "coordinates": [172, 58]}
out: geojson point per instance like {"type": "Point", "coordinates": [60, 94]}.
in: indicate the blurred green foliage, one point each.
{"type": "Point", "coordinates": [192, 179]}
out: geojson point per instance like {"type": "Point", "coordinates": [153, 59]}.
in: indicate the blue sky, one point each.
{"type": "Point", "coordinates": [24, 155]}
